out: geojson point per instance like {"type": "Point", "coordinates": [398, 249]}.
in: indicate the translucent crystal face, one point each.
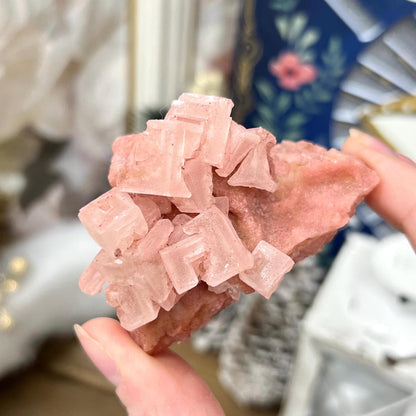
{"type": "Point", "coordinates": [210, 113]}
{"type": "Point", "coordinates": [134, 308]}
{"type": "Point", "coordinates": [254, 170]}
{"type": "Point", "coordinates": [153, 165]}
{"type": "Point", "coordinates": [179, 260]}
{"type": "Point", "coordinates": [227, 254]}
{"type": "Point", "coordinates": [270, 266]}
{"type": "Point", "coordinates": [114, 220]}
{"type": "Point", "coordinates": [198, 179]}
{"type": "Point", "coordinates": [240, 142]}
{"type": "Point", "coordinates": [191, 197]}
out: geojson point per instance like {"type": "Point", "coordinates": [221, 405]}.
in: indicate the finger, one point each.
{"type": "Point", "coordinates": [394, 198]}
{"type": "Point", "coordinates": [157, 385]}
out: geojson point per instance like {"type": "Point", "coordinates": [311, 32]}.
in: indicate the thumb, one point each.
{"type": "Point", "coordinates": [147, 385]}
{"type": "Point", "coordinates": [394, 198]}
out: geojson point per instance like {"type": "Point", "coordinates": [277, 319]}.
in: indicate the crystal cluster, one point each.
{"type": "Point", "coordinates": [161, 229]}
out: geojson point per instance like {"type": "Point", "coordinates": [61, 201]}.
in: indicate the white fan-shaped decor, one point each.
{"type": "Point", "coordinates": [380, 91]}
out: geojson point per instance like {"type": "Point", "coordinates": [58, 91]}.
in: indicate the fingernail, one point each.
{"type": "Point", "coordinates": [98, 355]}
{"type": "Point", "coordinates": [406, 159]}
{"type": "Point", "coordinates": [370, 141]}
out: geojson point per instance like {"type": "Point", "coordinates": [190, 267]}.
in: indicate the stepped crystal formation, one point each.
{"type": "Point", "coordinates": [202, 209]}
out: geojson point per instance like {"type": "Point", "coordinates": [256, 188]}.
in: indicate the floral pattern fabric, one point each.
{"type": "Point", "coordinates": [307, 50]}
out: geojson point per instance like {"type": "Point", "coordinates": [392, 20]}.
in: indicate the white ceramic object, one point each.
{"type": "Point", "coordinates": [356, 322]}
{"type": "Point", "coordinates": [394, 265]}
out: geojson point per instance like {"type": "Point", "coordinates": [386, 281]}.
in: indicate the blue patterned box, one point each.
{"type": "Point", "coordinates": [304, 68]}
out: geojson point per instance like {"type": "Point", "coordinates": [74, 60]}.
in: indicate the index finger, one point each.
{"type": "Point", "coordinates": [394, 198]}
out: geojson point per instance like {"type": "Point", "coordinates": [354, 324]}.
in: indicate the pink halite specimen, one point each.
{"type": "Point", "coordinates": [227, 254]}
{"type": "Point", "coordinates": [270, 265]}
{"type": "Point", "coordinates": [180, 242]}
{"type": "Point", "coordinates": [240, 142]}
{"type": "Point", "coordinates": [114, 220]}
{"type": "Point", "coordinates": [148, 248]}
{"type": "Point", "coordinates": [178, 234]}
{"type": "Point", "coordinates": [198, 179]}
{"type": "Point", "coordinates": [134, 307]}
{"type": "Point", "coordinates": [150, 209]}
{"type": "Point", "coordinates": [213, 115]}
{"type": "Point", "coordinates": [254, 171]}
{"type": "Point", "coordinates": [179, 260]}
{"type": "Point", "coordinates": [153, 165]}
{"type": "Point", "coordinates": [92, 281]}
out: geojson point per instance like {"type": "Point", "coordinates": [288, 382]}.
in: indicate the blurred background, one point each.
{"type": "Point", "coordinates": [339, 335]}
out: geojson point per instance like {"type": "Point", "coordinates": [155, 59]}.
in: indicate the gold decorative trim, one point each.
{"type": "Point", "coordinates": [248, 54]}
{"type": "Point", "coordinates": [404, 105]}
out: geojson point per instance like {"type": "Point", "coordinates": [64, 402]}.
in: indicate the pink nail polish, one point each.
{"type": "Point", "coordinates": [406, 159]}
{"type": "Point", "coordinates": [370, 141]}
{"type": "Point", "coordinates": [98, 355]}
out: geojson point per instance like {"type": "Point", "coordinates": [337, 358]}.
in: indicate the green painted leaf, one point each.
{"type": "Point", "coordinates": [297, 25]}
{"type": "Point", "coordinates": [308, 39]}
{"type": "Point", "coordinates": [306, 103]}
{"type": "Point", "coordinates": [308, 56]}
{"type": "Point", "coordinates": [282, 25]}
{"type": "Point", "coordinates": [283, 102]}
{"type": "Point", "coordinates": [265, 90]}
{"type": "Point", "coordinates": [266, 112]}
{"type": "Point", "coordinates": [335, 44]}
{"type": "Point", "coordinates": [323, 96]}
{"type": "Point", "coordinates": [284, 5]}
{"type": "Point", "coordinates": [296, 119]}
{"type": "Point", "coordinates": [334, 65]}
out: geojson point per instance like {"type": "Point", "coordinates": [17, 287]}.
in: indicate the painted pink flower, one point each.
{"type": "Point", "coordinates": [291, 72]}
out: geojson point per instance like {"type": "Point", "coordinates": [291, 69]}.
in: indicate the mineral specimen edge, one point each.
{"type": "Point", "coordinates": [202, 209]}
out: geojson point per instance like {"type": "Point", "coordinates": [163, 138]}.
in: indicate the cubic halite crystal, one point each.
{"type": "Point", "coordinates": [114, 220]}
{"type": "Point", "coordinates": [198, 213]}
{"type": "Point", "coordinates": [270, 265]}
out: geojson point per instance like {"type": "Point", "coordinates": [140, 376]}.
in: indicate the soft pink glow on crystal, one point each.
{"type": "Point", "coordinates": [134, 309]}
{"type": "Point", "coordinates": [270, 266]}
{"type": "Point", "coordinates": [153, 166]}
{"type": "Point", "coordinates": [227, 254]}
{"type": "Point", "coordinates": [91, 281]}
{"type": "Point", "coordinates": [192, 133]}
{"type": "Point", "coordinates": [148, 248]}
{"type": "Point", "coordinates": [163, 202]}
{"type": "Point", "coordinates": [169, 272]}
{"type": "Point", "coordinates": [317, 194]}
{"type": "Point", "coordinates": [177, 233]}
{"type": "Point", "coordinates": [240, 142]}
{"type": "Point", "coordinates": [113, 220]}
{"type": "Point", "coordinates": [213, 113]}
{"type": "Point", "coordinates": [151, 276]}
{"type": "Point", "coordinates": [120, 270]}
{"type": "Point", "coordinates": [254, 170]}
{"type": "Point", "coordinates": [170, 301]}
{"type": "Point", "coordinates": [179, 259]}
{"type": "Point", "coordinates": [149, 208]}
{"type": "Point", "coordinates": [265, 135]}
{"type": "Point", "coordinates": [226, 287]}
{"type": "Point", "coordinates": [222, 203]}
{"type": "Point", "coordinates": [198, 179]}
{"type": "Point", "coordinates": [122, 147]}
